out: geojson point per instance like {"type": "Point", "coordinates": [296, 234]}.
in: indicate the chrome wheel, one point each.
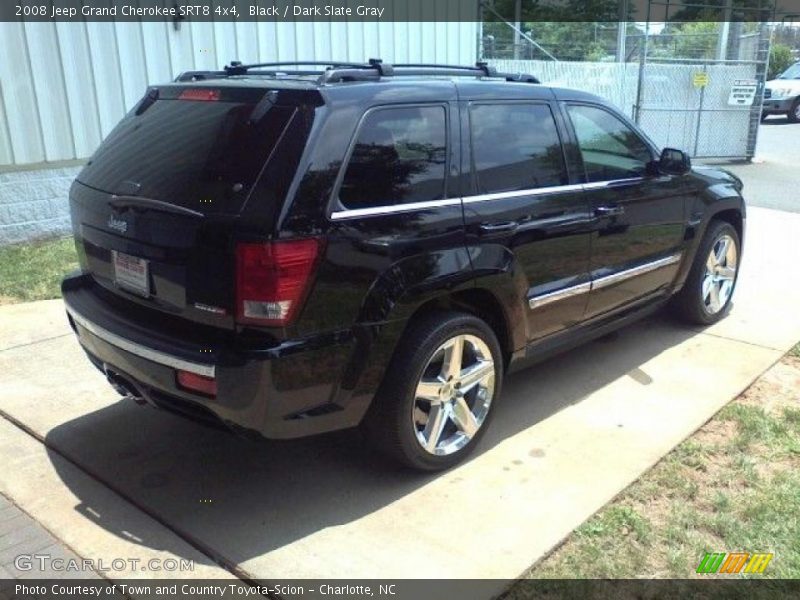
{"type": "Point", "coordinates": [454, 395]}
{"type": "Point", "coordinates": [720, 274]}
{"type": "Point", "coordinates": [796, 111]}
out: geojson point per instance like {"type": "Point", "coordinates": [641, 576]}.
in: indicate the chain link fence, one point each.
{"type": "Point", "coordinates": [677, 84]}
{"type": "Point", "coordinates": [616, 82]}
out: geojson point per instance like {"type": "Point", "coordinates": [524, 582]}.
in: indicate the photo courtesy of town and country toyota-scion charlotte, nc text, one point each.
{"type": "Point", "coordinates": [235, 11]}
{"type": "Point", "coordinates": [207, 590]}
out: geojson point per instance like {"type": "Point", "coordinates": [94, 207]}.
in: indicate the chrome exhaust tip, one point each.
{"type": "Point", "coordinates": [123, 386]}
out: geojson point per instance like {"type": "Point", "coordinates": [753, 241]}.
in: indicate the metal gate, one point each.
{"type": "Point", "coordinates": [709, 107]}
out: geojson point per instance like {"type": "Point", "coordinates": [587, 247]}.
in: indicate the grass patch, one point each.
{"type": "Point", "coordinates": [34, 271]}
{"type": "Point", "coordinates": [734, 486]}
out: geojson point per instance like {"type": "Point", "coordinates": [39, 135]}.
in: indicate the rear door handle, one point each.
{"type": "Point", "coordinates": [498, 228]}
{"type": "Point", "coordinates": [609, 211]}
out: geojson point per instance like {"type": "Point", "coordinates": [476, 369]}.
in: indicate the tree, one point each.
{"type": "Point", "coordinates": [697, 40]}
{"type": "Point", "coordinates": [568, 29]}
{"type": "Point", "coordinates": [780, 59]}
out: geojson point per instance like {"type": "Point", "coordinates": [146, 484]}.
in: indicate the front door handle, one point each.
{"type": "Point", "coordinates": [609, 211]}
{"type": "Point", "coordinates": [498, 228]}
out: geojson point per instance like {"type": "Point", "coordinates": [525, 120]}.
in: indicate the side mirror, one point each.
{"type": "Point", "coordinates": [674, 162]}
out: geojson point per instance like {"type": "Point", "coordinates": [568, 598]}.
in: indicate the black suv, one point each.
{"type": "Point", "coordinates": [290, 252]}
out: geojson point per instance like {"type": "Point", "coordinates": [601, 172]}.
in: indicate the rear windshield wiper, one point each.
{"type": "Point", "coordinates": [148, 204]}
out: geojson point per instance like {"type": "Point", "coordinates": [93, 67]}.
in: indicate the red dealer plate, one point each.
{"type": "Point", "coordinates": [131, 273]}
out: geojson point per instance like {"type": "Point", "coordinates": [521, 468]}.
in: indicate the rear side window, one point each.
{"type": "Point", "coordinates": [515, 147]}
{"type": "Point", "coordinates": [203, 155]}
{"type": "Point", "coordinates": [610, 148]}
{"type": "Point", "coordinates": [399, 157]}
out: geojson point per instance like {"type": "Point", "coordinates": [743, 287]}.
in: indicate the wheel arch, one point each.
{"type": "Point", "coordinates": [481, 303]}
{"type": "Point", "coordinates": [733, 216]}
{"type": "Point", "coordinates": [729, 210]}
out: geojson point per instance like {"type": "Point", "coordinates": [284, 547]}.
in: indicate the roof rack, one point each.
{"type": "Point", "coordinates": [237, 68]}
{"type": "Point", "coordinates": [380, 69]}
{"type": "Point", "coordinates": [341, 71]}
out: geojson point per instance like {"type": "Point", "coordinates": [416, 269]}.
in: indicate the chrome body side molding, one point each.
{"type": "Point", "coordinates": [550, 297]}
{"type": "Point", "coordinates": [601, 282]}
{"type": "Point", "coordinates": [607, 280]}
{"type": "Point", "coordinates": [372, 211]}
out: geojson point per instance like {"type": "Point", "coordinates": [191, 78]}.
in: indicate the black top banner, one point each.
{"type": "Point", "coordinates": [785, 11]}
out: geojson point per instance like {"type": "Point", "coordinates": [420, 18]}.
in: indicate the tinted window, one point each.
{"type": "Point", "coordinates": [610, 149]}
{"type": "Point", "coordinates": [399, 157]}
{"type": "Point", "coordinates": [515, 147]}
{"type": "Point", "coordinates": [202, 155]}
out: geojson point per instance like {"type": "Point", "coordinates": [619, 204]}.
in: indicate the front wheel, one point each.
{"type": "Point", "coordinates": [706, 295]}
{"type": "Point", "coordinates": [438, 393]}
{"type": "Point", "coordinates": [794, 112]}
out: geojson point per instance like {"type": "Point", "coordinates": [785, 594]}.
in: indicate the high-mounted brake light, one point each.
{"type": "Point", "coordinates": [272, 280]}
{"type": "Point", "coordinates": [202, 94]}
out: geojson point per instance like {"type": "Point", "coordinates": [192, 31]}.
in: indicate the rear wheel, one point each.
{"type": "Point", "coordinates": [706, 295]}
{"type": "Point", "coordinates": [794, 112]}
{"type": "Point", "coordinates": [438, 393]}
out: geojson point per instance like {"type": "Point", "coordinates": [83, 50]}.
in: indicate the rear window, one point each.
{"type": "Point", "coordinates": [203, 155]}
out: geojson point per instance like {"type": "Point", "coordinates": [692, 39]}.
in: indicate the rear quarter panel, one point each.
{"type": "Point", "coordinates": [377, 270]}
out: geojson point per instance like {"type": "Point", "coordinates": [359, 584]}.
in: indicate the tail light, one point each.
{"type": "Point", "coordinates": [272, 280]}
{"type": "Point", "coordinates": [197, 383]}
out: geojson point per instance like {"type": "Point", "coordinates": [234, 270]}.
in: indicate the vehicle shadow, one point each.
{"type": "Point", "coordinates": [243, 499]}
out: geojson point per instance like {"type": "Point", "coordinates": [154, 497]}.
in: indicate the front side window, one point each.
{"type": "Point", "coordinates": [515, 147]}
{"type": "Point", "coordinates": [399, 157]}
{"type": "Point", "coordinates": [610, 148]}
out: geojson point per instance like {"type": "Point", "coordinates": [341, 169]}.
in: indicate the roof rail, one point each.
{"type": "Point", "coordinates": [343, 71]}
{"type": "Point", "coordinates": [237, 68]}
{"type": "Point", "coordinates": [381, 69]}
{"type": "Point", "coordinates": [480, 68]}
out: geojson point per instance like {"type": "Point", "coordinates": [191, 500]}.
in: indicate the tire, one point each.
{"type": "Point", "coordinates": [764, 117]}
{"type": "Point", "coordinates": [794, 112]}
{"type": "Point", "coordinates": [695, 303]}
{"type": "Point", "coordinates": [398, 420]}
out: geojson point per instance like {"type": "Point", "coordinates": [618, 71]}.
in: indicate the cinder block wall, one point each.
{"type": "Point", "coordinates": [33, 203]}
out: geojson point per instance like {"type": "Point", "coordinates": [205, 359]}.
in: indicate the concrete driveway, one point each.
{"type": "Point", "coordinates": [111, 477]}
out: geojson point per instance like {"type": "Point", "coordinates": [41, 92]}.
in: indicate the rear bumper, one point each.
{"type": "Point", "coordinates": [278, 390]}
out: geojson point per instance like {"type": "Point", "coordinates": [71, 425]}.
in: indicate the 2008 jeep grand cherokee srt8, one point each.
{"type": "Point", "coordinates": [289, 253]}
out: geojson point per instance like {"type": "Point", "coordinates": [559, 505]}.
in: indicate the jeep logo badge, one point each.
{"type": "Point", "coordinates": [117, 224]}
